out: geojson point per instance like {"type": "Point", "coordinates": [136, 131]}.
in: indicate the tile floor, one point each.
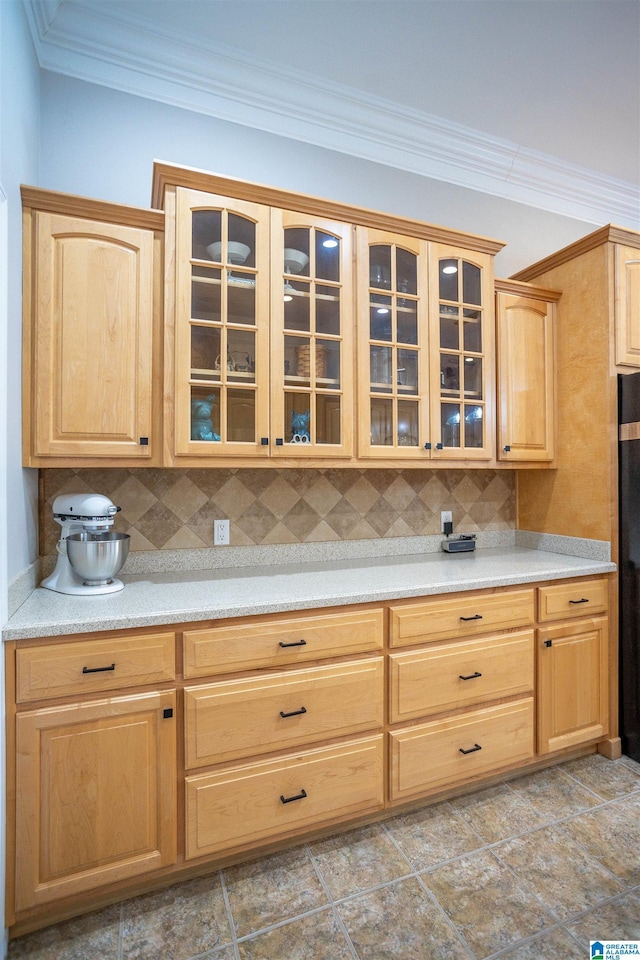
{"type": "Point", "coordinates": [534, 868]}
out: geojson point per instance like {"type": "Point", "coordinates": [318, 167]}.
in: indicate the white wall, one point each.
{"type": "Point", "coordinates": [100, 142]}
{"type": "Point", "coordinates": [19, 141]}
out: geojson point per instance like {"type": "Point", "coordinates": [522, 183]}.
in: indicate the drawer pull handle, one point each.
{"type": "Point", "coordinates": [294, 713]}
{"type": "Point", "coordinates": [471, 676]}
{"type": "Point", "coordinates": [476, 616]}
{"type": "Point", "coordinates": [98, 669]}
{"type": "Point", "coordinates": [584, 600]}
{"type": "Point", "coordinates": [297, 643]}
{"type": "Point", "coordinates": [473, 749]}
{"type": "Point", "coordinates": [299, 796]}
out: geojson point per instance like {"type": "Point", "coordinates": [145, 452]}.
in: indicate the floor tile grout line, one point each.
{"type": "Point", "coordinates": [230, 919]}
{"type": "Point", "coordinates": [443, 913]}
{"type": "Point", "coordinates": [336, 913]}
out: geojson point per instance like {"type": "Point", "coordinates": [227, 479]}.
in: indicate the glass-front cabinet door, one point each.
{"type": "Point", "coordinates": [222, 326]}
{"type": "Point", "coordinates": [311, 337]}
{"type": "Point", "coordinates": [462, 354]}
{"type": "Point", "coordinates": [393, 346]}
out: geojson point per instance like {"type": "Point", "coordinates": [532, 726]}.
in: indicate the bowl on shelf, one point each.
{"type": "Point", "coordinates": [294, 260]}
{"type": "Point", "coordinates": [237, 253]}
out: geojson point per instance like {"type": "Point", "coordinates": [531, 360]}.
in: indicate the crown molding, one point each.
{"type": "Point", "coordinates": [104, 46]}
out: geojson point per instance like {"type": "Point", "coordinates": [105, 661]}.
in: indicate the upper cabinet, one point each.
{"type": "Point", "coordinates": [92, 357]}
{"type": "Point", "coordinates": [242, 324]}
{"type": "Point", "coordinates": [627, 304]}
{"type": "Point", "coordinates": [462, 354]}
{"type": "Point", "coordinates": [425, 350]}
{"type": "Point", "coordinates": [525, 323]}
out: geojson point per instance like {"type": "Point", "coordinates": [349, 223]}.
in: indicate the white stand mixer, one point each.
{"type": "Point", "coordinates": [87, 514]}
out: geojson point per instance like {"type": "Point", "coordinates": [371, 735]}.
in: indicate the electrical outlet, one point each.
{"type": "Point", "coordinates": [221, 533]}
{"type": "Point", "coordinates": [446, 516]}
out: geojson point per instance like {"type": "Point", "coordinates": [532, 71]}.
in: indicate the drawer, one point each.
{"type": "Point", "coordinates": [460, 616]}
{"type": "Point", "coordinates": [275, 643]}
{"type": "Point", "coordinates": [448, 676]}
{"type": "Point", "coordinates": [91, 666]}
{"type": "Point", "coordinates": [564, 600]}
{"type": "Point", "coordinates": [241, 718]}
{"type": "Point", "coordinates": [239, 807]}
{"type": "Point", "coordinates": [442, 753]}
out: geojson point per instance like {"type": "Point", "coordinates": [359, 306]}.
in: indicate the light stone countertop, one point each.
{"type": "Point", "coordinates": [151, 599]}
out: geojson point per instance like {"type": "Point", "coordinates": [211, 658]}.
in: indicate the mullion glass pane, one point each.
{"type": "Point", "coordinates": [449, 372]}
{"type": "Point", "coordinates": [473, 377]}
{"type": "Point", "coordinates": [206, 235]}
{"type": "Point", "coordinates": [241, 415]}
{"type": "Point", "coordinates": [407, 371]}
{"type": "Point", "coordinates": [381, 369]}
{"type": "Point", "coordinates": [380, 266]}
{"type": "Point", "coordinates": [328, 310]}
{"type": "Point", "coordinates": [241, 298]}
{"type": "Point", "coordinates": [241, 243]}
{"type": "Point", "coordinates": [407, 423]}
{"type": "Point", "coordinates": [299, 428]}
{"type": "Point", "coordinates": [380, 317]}
{"type": "Point", "coordinates": [406, 271]}
{"type": "Point", "coordinates": [205, 353]}
{"type": "Point", "coordinates": [450, 424]}
{"type": "Point", "coordinates": [205, 414]}
{"type": "Point", "coordinates": [328, 419]}
{"type": "Point", "coordinates": [381, 422]}
{"type": "Point", "coordinates": [471, 283]}
{"type": "Point", "coordinates": [407, 320]}
{"type": "Point", "coordinates": [449, 328]}
{"type": "Point", "coordinates": [472, 331]}
{"type": "Point", "coordinates": [297, 305]}
{"type": "Point", "coordinates": [327, 256]}
{"type": "Point", "coordinates": [473, 431]}
{"type": "Point", "coordinates": [206, 297]}
{"type": "Point", "coordinates": [448, 280]}
{"type": "Point", "coordinates": [296, 251]}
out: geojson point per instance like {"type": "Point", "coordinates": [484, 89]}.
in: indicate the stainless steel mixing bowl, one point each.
{"type": "Point", "coordinates": [97, 557]}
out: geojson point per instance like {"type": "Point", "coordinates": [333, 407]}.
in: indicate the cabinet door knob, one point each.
{"type": "Point", "coordinates": [279, 442]}
{"type": "Point", "coordinates": [507, 449]}
{"type": "Point", "coordinates": [427, 446]}
{"type": "Point", "coordinates": [548, 643]}
{"type": "Point", "coordinates": [439, 446]}
{"type": "Point", "coordinates": [264, 441]}
{"type": "Point", "coordinates": [167, 713]}
{"type": "Point", "coordinates": [144, 441]}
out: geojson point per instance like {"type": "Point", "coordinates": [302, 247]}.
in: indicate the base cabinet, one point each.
{"type": "Point", "coordinates": [239, 807]}
{"type": "Point", "coordinates": [95, 793]}
{"type": "Point", "coordinates": [148, 755]}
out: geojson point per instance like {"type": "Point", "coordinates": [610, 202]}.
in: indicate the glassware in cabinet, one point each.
{"type": "Point", "coordinates": [462, 354]}
{"type": "Point", "coordinates": [311, 337]}
{"type": "Point", "coordinates": [222, 333]}
{"type": "Point", "coordinates": [393, 343]}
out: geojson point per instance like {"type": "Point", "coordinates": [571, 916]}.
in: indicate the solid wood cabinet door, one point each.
{"type": "Point", "coordinates": [526, 378]}
{"type": "Point", "coordinates": [627, 305]}
{"type": "Point", "coordinates": [573, 702]}
{"type": "Point", "coordinates": [91, 332]}
{"type": "Point", "coordinates": [95, 795]}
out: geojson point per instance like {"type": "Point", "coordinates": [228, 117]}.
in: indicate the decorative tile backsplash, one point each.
{"type": "Point", "coordinates": [175, 509]}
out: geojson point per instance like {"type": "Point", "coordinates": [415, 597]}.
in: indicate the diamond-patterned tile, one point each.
{"type": "Point", "coordinates": [277, 505]}
{"type": "Point", "coordinates": [184, 498]}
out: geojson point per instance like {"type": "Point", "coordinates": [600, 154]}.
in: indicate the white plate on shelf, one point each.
{"type": "Point", "coordinates": [236, 252]}
{"type": "Point", "coordinates": [294, 260]}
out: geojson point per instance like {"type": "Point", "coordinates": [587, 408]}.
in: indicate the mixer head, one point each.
{"type": "Point", "coordinates": [91, 511]}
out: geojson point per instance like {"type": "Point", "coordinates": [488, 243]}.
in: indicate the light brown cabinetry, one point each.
{"type": "Point", "coordinates": [525, 323]}
{"type": "Point", "coordinates": [286, 724]}
{"type": "Point", "coordinates": [573, 657]}
{"type": "Point", "coordinates": [92, 360]}
{"type": "Point", "coordinates": [627, 304]}
{"type": "Point", "coordinates": [449, 674]}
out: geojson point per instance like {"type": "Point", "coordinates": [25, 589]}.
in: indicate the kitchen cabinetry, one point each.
{"type": "Point", "coordinates": [424, 311]}
{"type": "Point", "coordinates": [94, 775]}
{"type": "Point", "coordinates": [446, 675]}
{"type": "Point", "coordinates": [573, 657]}
{"type": "Point", "coordinates": [286, 723]}
{"type": "Point", "coordinates": [92, 355]}
{"type": "Point", "coordinates": [254, 718]}
{"type": "Point", "coordinates": [262, 341]}
{"type": "Point", "coordinates": [627, 304]}
{"type": "Point", "coordinates": [525, 323]}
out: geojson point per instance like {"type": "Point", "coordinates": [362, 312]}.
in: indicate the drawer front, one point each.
{"type": "Point", "coordinates": [442, 753]}
{"type": "Point", "coordinates": [275, 643]}
{"type": "Point", "coordinates": [564, 600]}
{"type": "Point", "coordinates": [241, 718]}
{"type": "Point", "coordinates": [239, 807]}
{"type": "Point", "coordinates": [460, 616]}
{"type": "Point", "coordinates": [449, 676]}
{"type": "Point", "coordinates": [91, 666]}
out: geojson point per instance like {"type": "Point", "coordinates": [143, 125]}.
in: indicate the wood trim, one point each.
{"type": "Point", "coordinates": [630, 431]}
{"type": "Point", "coordinates": [166, 175]}
{"type": "Point", "coordinates": [608, 234]}
{"type": "Point", "coordinates": [52, 201]}
{"type": "Point", "coordinates": [521, 289]}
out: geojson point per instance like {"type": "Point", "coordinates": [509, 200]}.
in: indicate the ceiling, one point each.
{"type": "Point", "coordinates": [533, 100]}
